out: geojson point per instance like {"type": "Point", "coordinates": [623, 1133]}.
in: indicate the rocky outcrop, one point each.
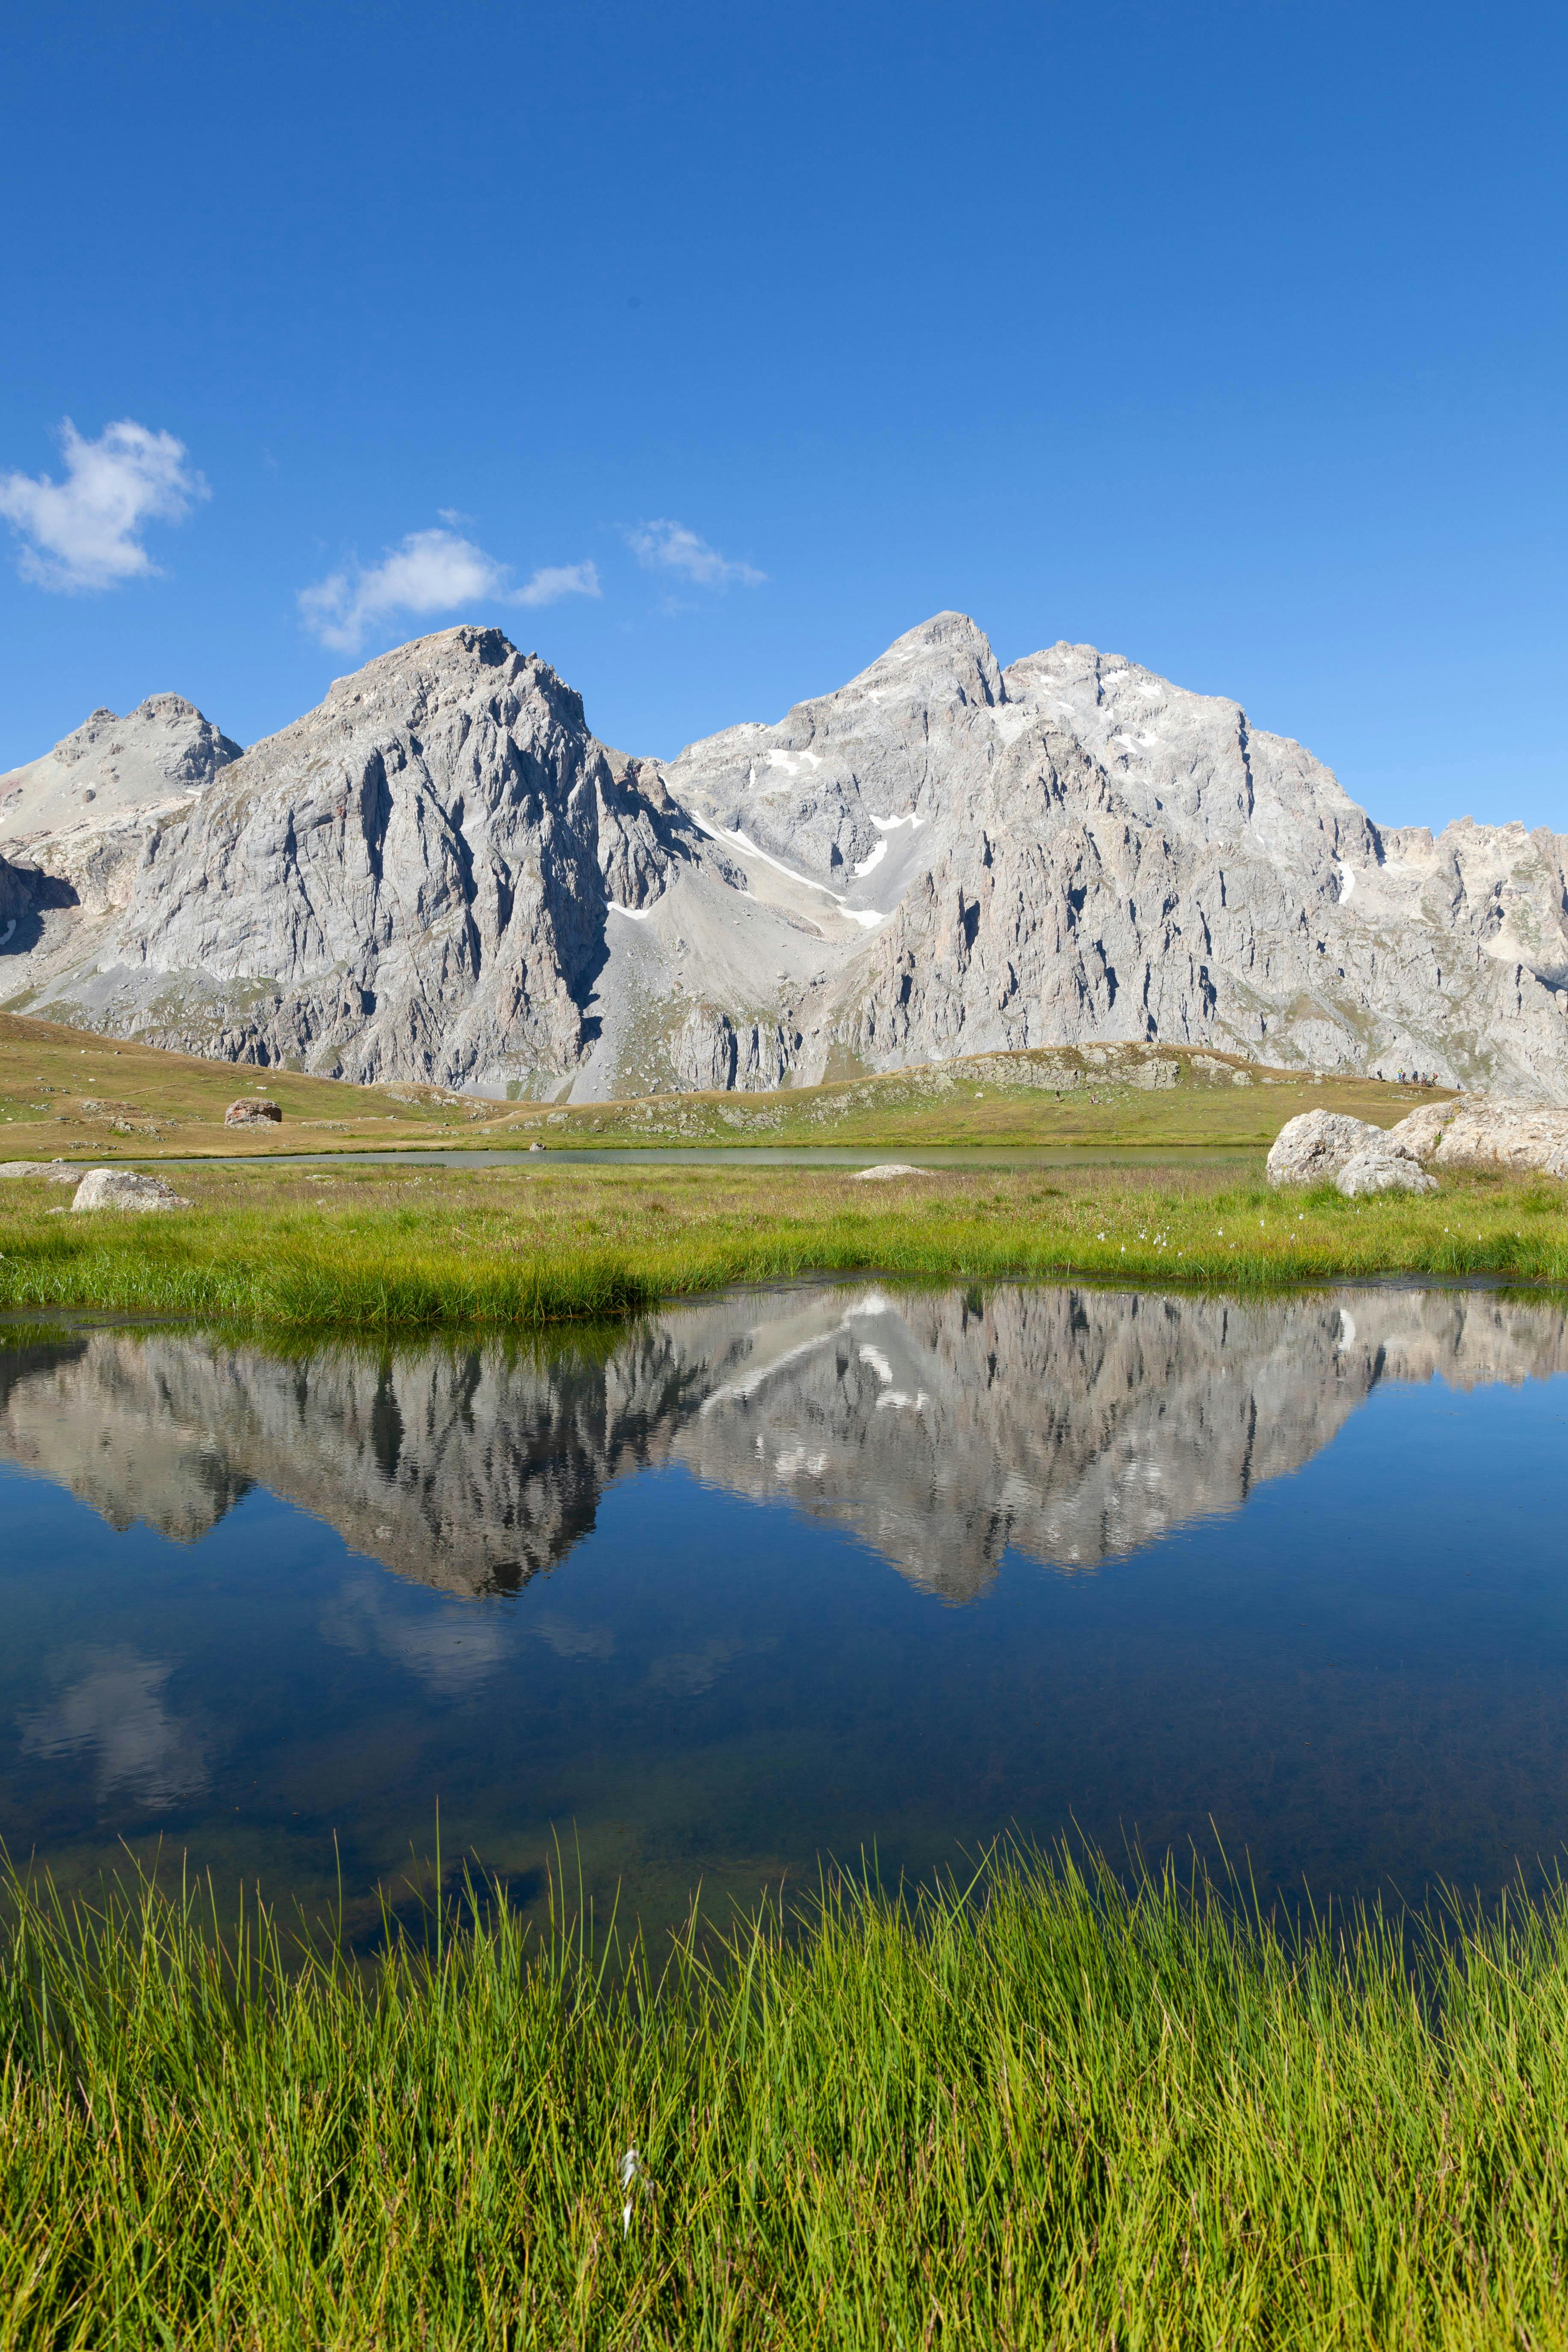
{"type": "Point", "coordinates": [941, 1429]}
{"type": "Point", "coordinates": [441, 874]}
{"type": "Point", "coordinates": [27, 895]}
{"type": "Point", "coordinates": [253, 1110]}
{"type": "Point", "coordinates": [414, 881]}
{"type": "Point", "coordinates": [1500, 1136]}
{"type": "Point", "coordinates": [1073, 848]}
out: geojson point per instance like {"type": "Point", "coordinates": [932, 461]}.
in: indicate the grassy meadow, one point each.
{"type": "Point", "coordinates": [1044, 2109]}
{"type": "Point", "coordinates": [406, 1248]}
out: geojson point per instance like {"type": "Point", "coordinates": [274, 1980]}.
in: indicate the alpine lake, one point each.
{"type": "Point", "coordinates": [831, 1573]}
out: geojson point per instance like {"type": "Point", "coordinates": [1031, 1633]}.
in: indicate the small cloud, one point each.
{"type": "Point", "coordinates": [86, 531]}
{"type": "Point", "coordinates": [432, 572]}
{"type": "Point", "coordinates": [666, 546]}
{"type": "Point", "coordinates": [558, 580]}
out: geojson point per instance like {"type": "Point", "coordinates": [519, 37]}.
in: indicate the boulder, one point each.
{"type": "Point", "coordinates": [1514, 1139]}
{"type": "Point", "coordinates": [1421, 1131]}
{"type": "Point", "coordinates": [53, 1171]}
{"type": "Point", "coordinates": [1378, 1169]}
{"type": "Point", "coordinates": [253, 1110]}
{"type": "Point", "coordinates": [887, 1167]}
{"type": "Point", "coordinates": [124, 1188]}
{"type": "Point", "coordinates": [1312, 1149]}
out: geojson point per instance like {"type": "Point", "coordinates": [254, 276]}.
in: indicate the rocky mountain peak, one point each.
{"type": "Point", "coordinates": [948, 652]}
{"type": "Point", "coordinates": [111, 770]}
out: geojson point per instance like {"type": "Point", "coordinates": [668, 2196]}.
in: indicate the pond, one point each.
{"type": "Point", "coordinates": [827, 1570]}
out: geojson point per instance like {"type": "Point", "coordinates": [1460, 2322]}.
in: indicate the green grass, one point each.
{"type": "Point", "coordinates": [407, 1249]}
{"type": "Point", "coordinates": [1043, 2111]}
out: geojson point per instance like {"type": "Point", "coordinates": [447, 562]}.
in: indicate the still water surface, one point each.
{"type": "Point", "coordinates": [796, 1573]}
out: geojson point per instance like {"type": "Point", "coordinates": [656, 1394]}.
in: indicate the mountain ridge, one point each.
{"type": "Point", "coordinates": [441, 874]}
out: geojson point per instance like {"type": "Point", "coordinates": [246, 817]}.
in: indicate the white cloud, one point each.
{"type": "Point", "coordinates": [432, 572]}
{"type": "Point", "coordinates": [86, 531]}
{"type": "Point", "coordinates": [553, 580]}
{"type": "Point", "coordinates": [666, 546]}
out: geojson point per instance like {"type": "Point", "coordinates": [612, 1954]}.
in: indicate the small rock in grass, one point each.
{"type": "Point", "coordinates": [124, 1188]}
{"type": "Point", "coordinates": [253, 1110]}
{"type": "Point", "coordinates": [889, 1168]}
{"type": "Point", "coordinates": [1381, 1170]}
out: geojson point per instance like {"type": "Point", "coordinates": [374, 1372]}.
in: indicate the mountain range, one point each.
{"type": "Point", "coordinates": [441, 874]}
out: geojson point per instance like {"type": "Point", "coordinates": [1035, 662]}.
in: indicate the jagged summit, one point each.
{"type": "Point", "coordinates": [441, 872]}
{"type": "Point", "coordinates": [111, 769]}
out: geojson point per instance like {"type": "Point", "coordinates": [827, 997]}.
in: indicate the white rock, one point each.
{"type": "Point", "coordinates": [1378, 1169]}
{"type": "Point", "coordinates": [887, 1167]}
{"type": "Point", "coordinates": [1505, 1136]}
{"type": "Point", "coordinates": [1421, 1130]}
{"type": "Point", "coordinates": [1312, 1149]}
{"type": "Point", "coordinates": [124, 1188]}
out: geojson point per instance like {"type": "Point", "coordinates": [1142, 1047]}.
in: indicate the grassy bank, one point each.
{"type": "Point", "coordinates": [1054, 2114]}
{"type": "Point", "coordinates": [410, 1248]}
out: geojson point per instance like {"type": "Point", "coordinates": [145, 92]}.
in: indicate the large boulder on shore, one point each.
{"type": "Point", "coordinates": [124, 1188]}
{"type": "Point", "coordinates": [1327, 1147]}
{"type": "Point", "coordinates": [253, 1110]}
{"type": "Point", "coordinates": [1513, 1138]}
{"type": "Point", "coordinates": [1312, 1150]}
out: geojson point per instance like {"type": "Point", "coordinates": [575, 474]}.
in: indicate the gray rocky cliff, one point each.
{"type": "Point", "coordinates": [941, 1429]}
{"type": "Point", "coordinates": [1073, 848]}
{"type": "Point", "coordinates": [442, 874]}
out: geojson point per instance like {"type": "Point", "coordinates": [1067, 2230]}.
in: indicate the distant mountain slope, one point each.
{"type": "Point", "coordinates": [442, 874]}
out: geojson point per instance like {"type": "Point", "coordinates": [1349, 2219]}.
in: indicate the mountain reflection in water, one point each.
{"type": "Point", "coordinates": [944, 1429]}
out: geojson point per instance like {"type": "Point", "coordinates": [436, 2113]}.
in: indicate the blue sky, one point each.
{"type": "Point", "coordinates": [707, 349]}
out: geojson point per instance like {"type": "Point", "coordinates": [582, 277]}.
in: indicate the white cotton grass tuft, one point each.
{"type": "Point", "coordinates": [629, 2166]}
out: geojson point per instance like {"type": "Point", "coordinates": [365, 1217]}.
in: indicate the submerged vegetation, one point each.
{"type": "Point", "coordinates": [1040, 2110]}
{"type": "Point", "coordinates": [406, 1248]}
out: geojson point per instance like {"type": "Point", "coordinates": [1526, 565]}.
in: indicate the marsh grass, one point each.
{"type": "Point", "coordinates": [385, 1250]}
{"type": "Point", "coordinates": [1043, 2108]}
